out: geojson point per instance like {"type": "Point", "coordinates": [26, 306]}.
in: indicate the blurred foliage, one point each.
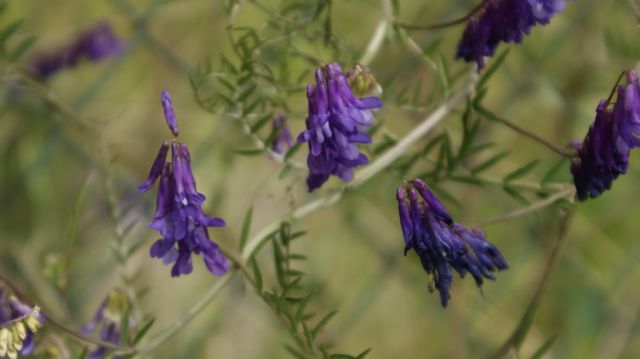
{"type": "Point", "coordinates": [73, 149]}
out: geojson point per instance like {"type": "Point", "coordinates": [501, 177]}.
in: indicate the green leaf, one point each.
{"type": "Point", "coordinates": [83, 353]}
{"type": "Point", "coordinates": [489, 163]}
{"type": "Point", "coordinates": [499, 60]}
{"type": "Point", "coordinates": [285, 172]}
{"type": "Point", "coordinates": [292, 151]}
{"type": "Point", "coordinates": [546, 346]}
{"type": "Point", "coordinates": [395, 7]}
{"type": "Point", "coordinates": [522, 171]}
{"type": "Point", "coordinates": [261, 122]}
{"type": "Point", "coordinates": [560, 165]}
{"type": "Point", "coordinates": [302, 307]}
{"type": "Point", "coordinates": [278, 260]}
{"type": "Point", "coordinates": [246, 227]}
{"type": "Point", "coordinates": [364, 353]}
{"type": "Point", "coordinates": [297, 235]}
{"type": "Point", "coordinates": [257, 276]}
{"type": "Point", "coordinates": [467, 179]}
{"type": "Point", "coordinates": [294, 283]}
{"type": "Point", "coordinates": [143, 331]}
{"type": "Point", "coordinates": [244, 94]}
{"type": "Point", "coordinates": [308, 334]}
{"type": "Point", "coordinates": [516, 195]}
{"type": "Point", "coordinates": [323, 322]}
{"type": "Point", "coordinates": [249, 153]}
{"type": "Point", "coordinates": [295, 353]}
{"type": "Point", "coordinates": [10, 30]}
{"type": "Point", "coordinates": [342, 356]}
{"type": "Point", "coordinates": [432, 144]}
{"type": "Point", "coordinates": [297, 257]}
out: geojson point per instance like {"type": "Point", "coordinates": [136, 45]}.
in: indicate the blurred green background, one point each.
{"type": "Point", "coordinates": [89, 135]}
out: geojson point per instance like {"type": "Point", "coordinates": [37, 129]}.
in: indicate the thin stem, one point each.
{"type": "Point", "coordinates": [516, 339]}
{"type": "Point", "coordinates": [374, 45]}
{"type": "Point", "coordinates": [615, 86]}
{"type": "Point", "coordinates": [563, 151]}
{"type": "Point", "coordinates": [568, 192]}
{"type": "Point", "coordinates": [442, 24]}
{"type": "Point", "coordinates": [73, 333]}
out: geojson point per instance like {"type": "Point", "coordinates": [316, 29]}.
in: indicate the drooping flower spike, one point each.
{"type": "Point", "coordinates": [108, 321]}
{"type": "Point", "coordinates": [441, 244]}
{"type": "Point", "coordinates": [94, 44]}
{"type": "Point", "coordinates": [179, 217]}
{"type": "Point", "coordinates": [604, 154]}
{"type": "Point", "coordinates": [503, 21]}
{"type": "Point", "coordinates": [282, 136]}
{"type": "Point", "coordinates": [18, 325]}
{"type": "Point", "coordinates": [336, 123]}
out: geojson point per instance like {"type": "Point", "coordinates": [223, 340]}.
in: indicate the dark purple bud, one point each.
{"type": "Point", "coordinates": [604, 153]}
{"type": "Point", "coordinates": [169, 114]}
{"type": "Point", "coordinates": [503, 21]}
{"type": "Point", "coordinates": [405, 218]}
{"type": "Point", "coordinates": [281, 135]}
{"type": "Point", "coordinates": [94, 44]}
{"type": "Point", "coordinates": [440, 243]}
{"type": "Point", "coordinates": [98, 42]}
{"type": "Point", "coordinates": [156, 168]}
{"type": "Point", "coordinates": [432, 201]}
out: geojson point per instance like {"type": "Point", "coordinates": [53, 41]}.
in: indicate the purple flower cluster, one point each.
{"type": "Point", "coordinates": [440, 243]}
{"type": "Point", "coordinates": [336, 122]}
{"type": "Point", "coordinates": [179, 217]}
{"type": "Point", "coordinates": [604, 153]}
{"type": "Point", "coordinates": [93, 44]}
{"type": "Point", "coordinates": [282, 135]}
{"type": "Point", "coordinates": [18, 325]}
{"type": "Point", "coordinates": [108, 320]}
{"type": "Point", "coordinates": [503, 21]}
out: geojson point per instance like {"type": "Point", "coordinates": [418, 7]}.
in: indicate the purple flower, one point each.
{"type": "Point", "coordinates": [441, 244]}
{"type": "Point", "coordinates": [94, 44]}
{"type": "Point", "coordinates": [179, 217]}
{"type": "Point", "coordinates": [282, 135]}
{"type": "Point", "coordinates": [107, 321]}
{"type": "Point", "coordinates": [335, 124]}
{"type": "Point", "coordinates": [503, 21]}
{"type": "Point", "coordinates": [604, 153]}
{"type": "Point", "coordinates": [18, 325]}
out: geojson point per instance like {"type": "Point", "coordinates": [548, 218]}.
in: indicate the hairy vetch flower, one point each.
{"type": "Point", "coordinates": [179, 217]}
{"type": "Point", "coordinates": [18, 325]}
{"type": "Point", "coordinates": [604, 153]}
{"type": "Point", "coordinates": [336, 123]}
{"type": "Point", "coordinates": [503, 21]}
{"type": "Point", "coordinates": [94, 44]}
{"type": "Point", "coordinates": [282, 135]}
{"type": "Point", "coordinates": [108, 321]}
{"type": "Point", "coordinates": [440, 243]}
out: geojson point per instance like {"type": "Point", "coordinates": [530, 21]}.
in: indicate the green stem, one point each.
{"type": "Point", "coordinates": [567, 192]}
{"type": "Point", "coordinates": [517, 337]}
{"type": "Point", "coordinates": [563, 151]}
{"type": "Point", "coordinates": [442, 25]}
